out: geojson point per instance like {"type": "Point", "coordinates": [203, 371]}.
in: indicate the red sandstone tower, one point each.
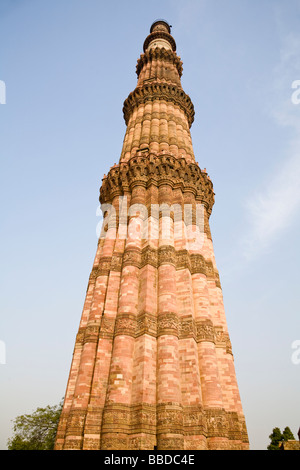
{"type": "Point", "coordinates": [152, 364]}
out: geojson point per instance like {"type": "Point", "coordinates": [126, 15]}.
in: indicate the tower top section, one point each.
{"type": "Point", "coordinates": [160, 36]}
{"type": "Point", "coordinates": [160, 25]}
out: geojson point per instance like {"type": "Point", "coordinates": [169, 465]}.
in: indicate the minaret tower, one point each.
{"type": "Point", "coordinates": [152, 365]}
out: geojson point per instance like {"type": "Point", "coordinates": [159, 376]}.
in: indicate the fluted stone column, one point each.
{"type": "Point", "coordinates": [153, 364]}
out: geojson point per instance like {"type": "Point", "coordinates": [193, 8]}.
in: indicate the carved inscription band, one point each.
{"type": "Point", "coordinates": [156, 422]}
{"type": "Point", "coordinates": [145, 323]}
{"type": "Point", "coordinates": [181, 259]}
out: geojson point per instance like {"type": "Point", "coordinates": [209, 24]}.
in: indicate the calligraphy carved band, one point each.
{"type": "Point", "coordinates": [116, 262]}
{"type": "Point", "coordinates": [181, 259]}
{"type": "Point", "coordinates": [92, 427]}
{"type": "Point", "coordinates": [225, 424]}
{"type": "Point", "coordinates": [132, 257]}
{"type": "Point", "coordinates": [188, 328]}
{"type": "Point", "coordinates": [144, 442]}
{"type": "Point", "coordinates": [106, 265]}
{"type": "Point", "coordinates": [149, 256]}
{"type": "Point", "coordinates": [143, 419]}
{"type": "Point", "coordinates": [166, 255]}
{"type": "Point", "coordinates": [116, 418]}
{"type": "Point", "coordinates": [170, 443]}
{"type": "Point", "coordinates": [114, 443]}
{"type": "Point", "coordinates": [126, 325]}
{"type": "Point", "coordinates": [168, 324]}
{"type": "Point", "coordinates": [76, 420]}
{"type": "Point", "coordinates": [194, 421]}
{"type": "Point", "coordinates": [80, 336]}
{"type": "Point", "coordinates": [168, 418]}
{"type": "Point", "coordinates": [217, 425]}
{"type": "Point", "coordinates": [198, 264]}
{"type": "Point", "coordinates": [146, 323]}
{"type": "Point", "coordinates": [88, 334]}
{"type": "Point", "coordinates": [91, 333]}
{"type": "Point", "coordinates": [207, 332]}
{"type": "Point", "coordinates": [122, 423]}
{"type": "Point", "coordinates": [107, 327]}
{"type": "Point", "coordinates": [222, 339]}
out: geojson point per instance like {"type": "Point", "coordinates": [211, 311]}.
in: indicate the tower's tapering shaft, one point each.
{"type": "Point", "coordinates": [152, 365]}
{"type": "Point", "coordinates": [158, 113]}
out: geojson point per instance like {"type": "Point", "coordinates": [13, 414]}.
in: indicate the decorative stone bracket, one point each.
{"type": "Point", "coordinates": [149, 169]}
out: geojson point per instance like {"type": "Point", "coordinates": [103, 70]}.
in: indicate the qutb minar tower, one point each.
{"type": "Point", "coordinates": [152, 365]}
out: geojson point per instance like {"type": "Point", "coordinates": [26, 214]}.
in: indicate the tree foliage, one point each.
{"type": "Point", "coordinates": [277, 437]}
{"type": "Point", "coordinates": [36, 431]}
{"type": "Point", "coordinates": [287, 434]}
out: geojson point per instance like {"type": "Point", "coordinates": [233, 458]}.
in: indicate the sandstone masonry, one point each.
{"type": "Point", "coordinates": [153, 364]}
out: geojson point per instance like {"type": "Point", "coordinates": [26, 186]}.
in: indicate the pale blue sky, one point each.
{"type": "Point", "coordinates": [68, 66]}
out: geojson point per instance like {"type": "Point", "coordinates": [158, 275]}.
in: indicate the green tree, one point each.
{"type": "Point", "coordinates": [36, 431]}
{"type": "Point", "coordinates": [276, 437]}
{"type": "Point", "coordinates": [287, 434]}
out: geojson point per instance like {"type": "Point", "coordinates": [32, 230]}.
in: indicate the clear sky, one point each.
{"type": "Point", "coordinates": [68, 66]}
